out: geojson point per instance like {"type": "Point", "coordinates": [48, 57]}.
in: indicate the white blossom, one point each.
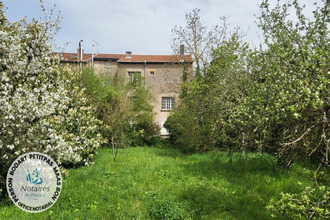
{"type": "Point", "coordinates": [38, 108]}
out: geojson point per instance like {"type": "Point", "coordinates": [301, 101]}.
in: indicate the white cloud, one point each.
{"type": "Point", "coordinates": [142, 26]}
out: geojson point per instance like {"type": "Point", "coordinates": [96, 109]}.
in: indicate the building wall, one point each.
{"type": "Point", "coordinates": [162, 80]}
{"type": "Point", "coordinates": [106, 67]}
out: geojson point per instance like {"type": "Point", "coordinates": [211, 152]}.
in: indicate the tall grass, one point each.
{"type": "Point", "coordinates": [158, 183]}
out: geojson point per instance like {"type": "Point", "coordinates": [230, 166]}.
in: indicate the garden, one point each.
{"type": "Point", "coordinates": [249, 136]}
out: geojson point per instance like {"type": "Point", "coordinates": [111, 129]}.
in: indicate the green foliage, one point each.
{"type": "Point", "coordinates": [163, 208]}
{"type": "Point", "coordinates": [39, 109]}
{"type": "Point", "coordinates": [290, 100]}
{"type": "Point", "coordinates": [313, 202]}
{"type": "Point", "coordinates": [124, 108]}
{"type": "Point", "coordinates": [144, 129]}
{"type": "Point", "coordinates": [205, 117]}
{"type": "Point", "coordinates": [274, 100]}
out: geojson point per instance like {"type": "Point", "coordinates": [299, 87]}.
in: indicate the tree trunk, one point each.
{"type": "Point", "coordinates": [113, 149]}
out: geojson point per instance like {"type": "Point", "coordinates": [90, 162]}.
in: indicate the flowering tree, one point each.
{"type": "Point", "coordinates": [39, 111]}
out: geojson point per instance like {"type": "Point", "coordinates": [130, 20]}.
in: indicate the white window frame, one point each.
{"type": "Point", "coordinates": [167, 103]}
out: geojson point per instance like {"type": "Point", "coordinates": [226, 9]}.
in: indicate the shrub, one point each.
{"type": "Point", "coordinates": [124, 108]}
{"type": "Point", "coordinates": [313, 202]}
{"type": "Point", "coordinates": [162, 208]}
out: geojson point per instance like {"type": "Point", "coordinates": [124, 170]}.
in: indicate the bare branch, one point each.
{"type": "Point", "coordinates": [301, 137]}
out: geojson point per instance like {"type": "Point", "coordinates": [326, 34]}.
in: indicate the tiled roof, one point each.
{"type": "Point", "coordinates": [72, 57]}
{"type": "Point", "coordinates": [110, 56]}
{"type": "Point", "coordinates": [153, 58]}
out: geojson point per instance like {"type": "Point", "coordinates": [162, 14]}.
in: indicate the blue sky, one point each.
{"type": "Point", "coordinates": [140, 26]}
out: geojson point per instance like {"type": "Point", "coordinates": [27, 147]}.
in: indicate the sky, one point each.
{"type": "Point", "coordinates": [139, 26]}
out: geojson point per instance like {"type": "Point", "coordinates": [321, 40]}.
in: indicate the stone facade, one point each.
{"type": "Point", "coordinates": [162, 74]}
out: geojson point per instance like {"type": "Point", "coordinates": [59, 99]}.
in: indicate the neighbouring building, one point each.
{"type": "Point", "coordinates": [162, 74]}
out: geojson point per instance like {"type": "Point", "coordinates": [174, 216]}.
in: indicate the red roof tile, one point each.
{"type": "Point", "coordinates": [154, 58]}
{"type": "Point", "coordinates": [72, 57]}
{"type": "Point", "coordinates": [110, 56]}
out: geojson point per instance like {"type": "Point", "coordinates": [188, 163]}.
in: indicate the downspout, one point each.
{"type": "Point", "coordinates": [145, 65]}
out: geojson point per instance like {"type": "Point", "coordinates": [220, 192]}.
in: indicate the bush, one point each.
{"type": "Point", "coordinates": [313, 202]}
{"type": "Point", "coordinates": [186, 131]}
{"type": "Point", "coordinates": [144, 129]}
{"type": "Point", "coordinates": [162, 208]}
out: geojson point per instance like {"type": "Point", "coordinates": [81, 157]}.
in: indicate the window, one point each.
{"type": "Point", "coordinates": [167, 103]}
{"type": "Point", "coordinates": [107, 63]}
{"type": "Point", "coordinates": [134, 77]}
{"type": "Point", "coordinates": [152, 72]}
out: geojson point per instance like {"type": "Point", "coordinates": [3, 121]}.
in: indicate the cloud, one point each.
{"type": "Point", "coordinates": [142, 26]}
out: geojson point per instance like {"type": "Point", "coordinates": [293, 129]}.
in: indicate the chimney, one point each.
{"type": "Point", "coordinates": [128, 54]}
{"type": "Point", "coordinates": [80, 52]}
{"type": "Point", "coordinates": [181, 53]}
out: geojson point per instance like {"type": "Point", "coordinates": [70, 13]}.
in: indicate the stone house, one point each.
{"type": "Point", "coordinates": [162, 74]}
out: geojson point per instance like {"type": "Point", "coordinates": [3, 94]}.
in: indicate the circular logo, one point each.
{"type": "Point", "coordinates": [34, 182]}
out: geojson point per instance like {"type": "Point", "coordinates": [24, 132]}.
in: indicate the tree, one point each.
{"type": "Point", "coordinates": [198, 40]}
{"type": "Point", "coordinates": [124, 108]}
{"type": "Point", "coordinates": [39, 110]}
{"type": "Point", "coordinates": [274, 100]}
{"type": "Point", "coordinates": [228, 80]}
{"type": "Point", "coordinates": [205, 117]}
{"type": "Point", "coordinates": [292, 100]}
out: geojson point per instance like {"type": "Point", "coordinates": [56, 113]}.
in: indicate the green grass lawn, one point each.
{"type": "Point", "coordinates": [159, 183]}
